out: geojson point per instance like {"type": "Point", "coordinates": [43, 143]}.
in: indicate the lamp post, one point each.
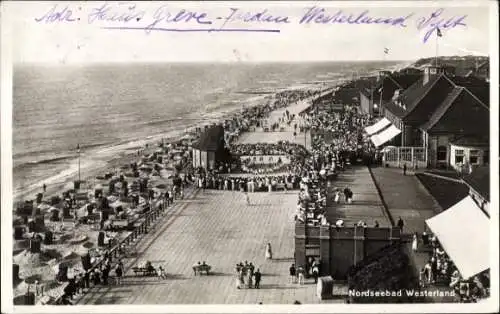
{"type": "Point", "coordinates": [78, 150]}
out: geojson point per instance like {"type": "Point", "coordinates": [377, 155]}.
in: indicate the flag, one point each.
{"type": "Point", "coordinates": [439, 34]}
{"type": "Point", "coordinates": [386, 50]}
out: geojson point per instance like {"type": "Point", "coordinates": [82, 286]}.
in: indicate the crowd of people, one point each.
{"type": "Point", "coordinates": [251, 184]}
{"type": "Point", "coordinates": [251, 117]}
{"type": "Point", "coordinates": [439, 269]}
{"type": "Point", "coordinates": [337, 141]}
{"type": "Point", "coordinates": [247, 276]}
{"type": "Point", "coordinates": [269, 149]}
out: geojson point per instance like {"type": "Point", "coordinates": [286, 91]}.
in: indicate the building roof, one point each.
{"type": "Point", "coordinates": [211, 139]}
{"type": "Point", "coordinates": [392, 82]}
{"type": "Point", "coordinates": [477, 86]}
{"type": "Point", "coordinates": [423, 105]}
{"type": "Point", "coordinates": [460, 114]}
{"type": "Point", "coordinates": [479, 181]}
{"type": "Point", "coordinates": [443, 107]}
{"type": "Point", "coordinates": [470, 141]}
{"type": "Point", "coordinates": [484, 66]}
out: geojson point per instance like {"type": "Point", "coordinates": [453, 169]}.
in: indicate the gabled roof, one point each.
{"type": "Point", "coordinates": [442, 108]}
{"type": "Point", "coordinates": [420, 108]}
{"type": "Point", "coordinates": [479, 181]}
{"type": "Point", "coordinates": [424, 105]}
{"type": "Point", "coordinates": [461, 114]}
{"type": "Point", "coordinates": [477, 86]}
{"type": "Point", "coordinates": [390, 83]}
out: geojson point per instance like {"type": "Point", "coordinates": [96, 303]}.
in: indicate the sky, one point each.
{"type": "Point", "coordinates": [80, 41]}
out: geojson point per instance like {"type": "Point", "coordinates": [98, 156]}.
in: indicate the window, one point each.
{"type": "Point", "coordinates": [442, 151]}
{"type": "Point", "coordinates": [474, 157]}
{"type": "Point", "coordinates": [459, 156]}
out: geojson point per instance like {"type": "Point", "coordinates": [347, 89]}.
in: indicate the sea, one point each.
{"type": "Point", "coordinates": [107, 109]}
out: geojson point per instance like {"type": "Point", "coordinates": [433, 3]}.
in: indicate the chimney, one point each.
{"type": "Point", "coordinates": [431, 72]}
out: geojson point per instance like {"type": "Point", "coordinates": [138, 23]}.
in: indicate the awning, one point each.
{"type": "Point", "coordinates": [372, 129]}
{"type": "Point", "coordinates": [385, 136]}
{"type": "Point", "coordinates": [464, 231]}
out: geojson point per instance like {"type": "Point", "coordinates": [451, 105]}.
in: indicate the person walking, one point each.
{"type": "Point", "coordinates": [44, 188]}
{"type": "Point", "coordinates": [257, 276]}
{"type": "Point", "coordinates": [269, 252]}
{"type": "Point", "coordinates": [119, 274]}
{"type": "Point", "coordinates": [414, 244]}
{"type": "Point", "coordinates": [247, 198]}
{"type": "Point", "coordinates": [400, 224]}
{"type": "Point", "coordinates": [349, 196]}
{"type": "Point", "coordinates": [337, 196]}
{"type": "Point", "coordinates": [300, 275]}
{"type": "Point", "coordinates": [404, 169]}
{"type": "Point", "coordinates": [250, 278]}
{"type": "Point", "coordinates": [293, 274]}
{"type": "Point", "coordinates": [37, 288]}
{"type": "Point", "coordinates": [315, 272]}
{"type": "Point", "coordinates": [346, 194]}
{"type": "Point", "coordinates": [161, 273]}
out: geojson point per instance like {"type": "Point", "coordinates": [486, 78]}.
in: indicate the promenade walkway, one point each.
{"type": "Point", "coordinates": [220, 228]}
{"type": "Point", "coordinates": [259, 136]}
{"type": "Point", "coordinates": [366, 205]}
{"type": "Point", "coordinates": [407, 198]}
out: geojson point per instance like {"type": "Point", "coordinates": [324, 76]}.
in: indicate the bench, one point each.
{"type": "Point", "coordinates": [143, 271]}
{"type": "Point", "coordinates": [202, 268]}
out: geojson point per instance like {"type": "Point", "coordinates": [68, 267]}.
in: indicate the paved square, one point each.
{"type": "Point", "coordinates": [219, 228]}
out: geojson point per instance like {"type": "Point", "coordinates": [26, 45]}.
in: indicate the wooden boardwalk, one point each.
{"type": "Point", "coordinates": [366, 205]}
{"type": "Point", "coordinates": [220, 228]}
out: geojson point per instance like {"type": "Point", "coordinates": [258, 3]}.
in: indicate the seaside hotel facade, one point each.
{"type": "Point", "coordinates": [431, 118]}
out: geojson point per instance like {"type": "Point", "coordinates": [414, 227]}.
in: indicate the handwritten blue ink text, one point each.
{"type": "Point", "coordinates": [55, 15]}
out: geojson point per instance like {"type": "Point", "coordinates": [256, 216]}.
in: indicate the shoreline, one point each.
{"type": "Point", "coordinates": [89, 171]}
{"type": "Point", "coordinates": [130, 146]}
{"type": "Point", "coordinates": [114, 156]}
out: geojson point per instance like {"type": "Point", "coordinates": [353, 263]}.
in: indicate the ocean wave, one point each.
{"type": "Point", "coordinates": [255, 92]}
{"type": "Point", "coordinates": [49, 160]}
{"type": "Point", "coordinates": [163, 121]}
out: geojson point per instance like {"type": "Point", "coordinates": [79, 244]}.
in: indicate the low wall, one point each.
{"type": "Point", "coordinates": [266, 159]}
{"type": "Point", "coordinates": [340, 248]}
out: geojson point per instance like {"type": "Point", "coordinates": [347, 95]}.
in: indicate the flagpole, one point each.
{"type": "Point", "coordinates": [437, 38]}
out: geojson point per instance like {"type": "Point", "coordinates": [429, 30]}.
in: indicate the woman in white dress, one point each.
{"type": "Point", "coordinates": [269, 252]}
{"type": "Point", "coordinates": [414, 244]}
{"type": "Point", "coordinates": [240, 281]}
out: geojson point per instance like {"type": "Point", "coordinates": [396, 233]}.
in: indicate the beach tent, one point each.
{"type": "Point", "coordinates": [372, 129]}
{"type": "Point", "coordinates": [464, 231]}
{"type": "Point", "coordinates": [385, 136]}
